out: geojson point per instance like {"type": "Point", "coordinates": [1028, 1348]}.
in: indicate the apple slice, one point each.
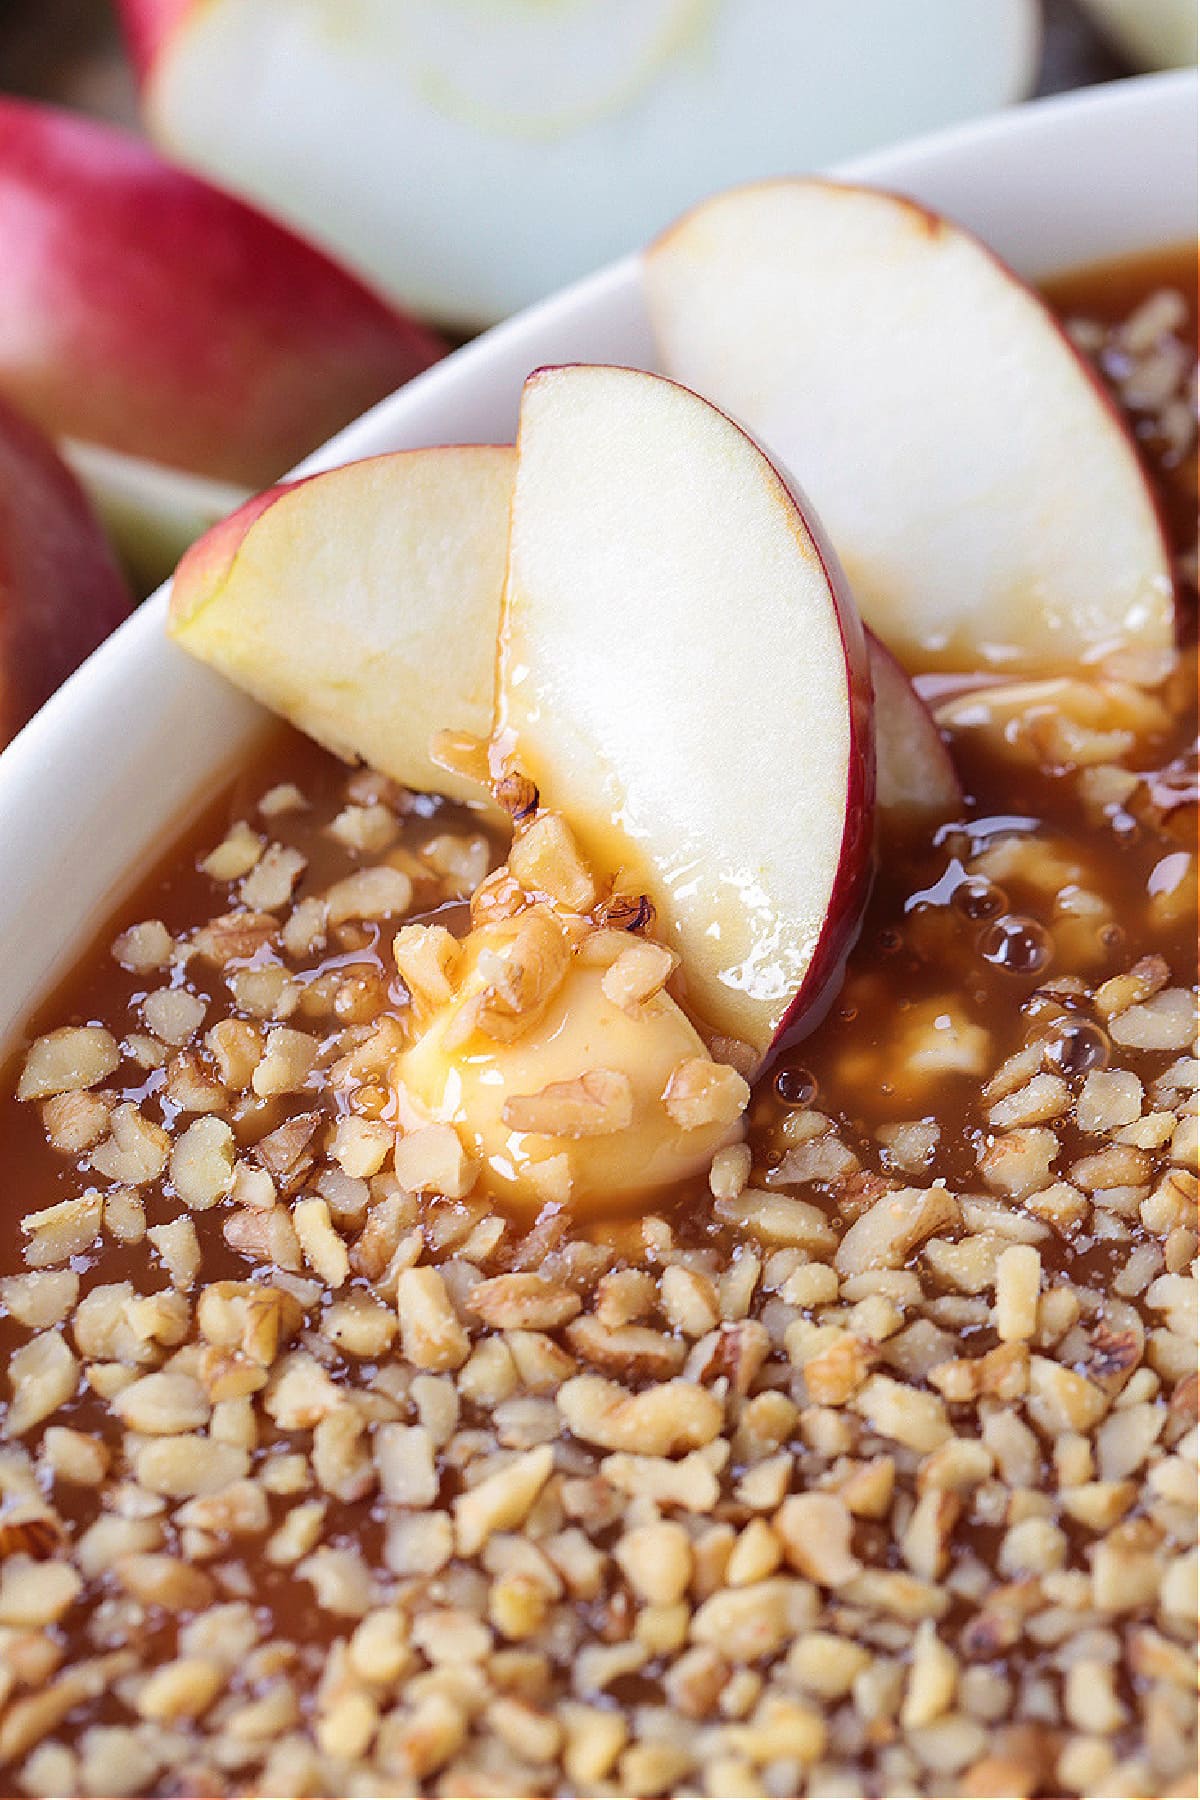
{"type": "Point", "coordinates": [240, 612]}
{"type": "Point", "coordinates": [145, 311]}
{"type": "Point", "coordinates": [61, 592]}
{"type": "Point", "coordinates": [684, 677]}
{"type": "Point", "coordinates": [362, 603]}
{"type": "Point", "coordinates": [472, 155]}
{"type": "Point", "coordinates": [985, 499]}
{"type": "Point", "coordinates": [915, 777]}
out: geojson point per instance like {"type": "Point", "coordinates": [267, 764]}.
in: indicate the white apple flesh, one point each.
{"type": "Point", "coordinates": [685, 678]}
{"type": "Point", "coordinates": [986, 501]}
{"type": "Point", "coordinates": [362, 603]}
{"type": "Point", "coordinates": [256, 612]}
{"type": "Point", "coordinates": [915, 777]}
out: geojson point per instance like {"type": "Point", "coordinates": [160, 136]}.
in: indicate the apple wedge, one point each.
{"type": "Point", "coordinates": [241, 594]}
{"type": "Point", "coordinates": [985, 499]}
{"type": "Point", "coordinates": [683, 676]}
{"type": "Point", "coordinates": [362, 603]}
{"type": "Point", "coordinates": [145, 311]}
{"type": "Point", "coordinates": [61, 592]}
{"type": "Point", "coordinates": [915, 777]}
{"type": "Point", "coordinates": [470, 156]}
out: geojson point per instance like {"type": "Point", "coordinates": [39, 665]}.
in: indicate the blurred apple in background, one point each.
{"type": "Point", "coordinates": [1157, 34]}
{"type": "Point", "coordinates": [61, 591]}
{"type": "Point", "coordinates": [158, 326]}
{"type": "Point", "coordinates": [471, 155]}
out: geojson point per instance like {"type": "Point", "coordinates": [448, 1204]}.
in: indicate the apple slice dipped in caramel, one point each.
{"type": "Point", "coordinates": [684, 687]}
{"type": "Point", "coordinates": [362, 603]}
{"type": "Point", "coordinates": [984, 497]}
{"type": "Point", "coordinates": [683, 676]}
{"type": "Point", "coordinates": [547, 1054]}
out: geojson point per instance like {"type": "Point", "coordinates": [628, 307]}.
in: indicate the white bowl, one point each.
{"type": "Point", "coordinates": [101, 781]}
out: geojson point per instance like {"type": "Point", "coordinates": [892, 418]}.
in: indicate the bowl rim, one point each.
{"type": "Point", "coordinates": [1035, 122]}
{"type": "Point", "coordinates": [87, 757]}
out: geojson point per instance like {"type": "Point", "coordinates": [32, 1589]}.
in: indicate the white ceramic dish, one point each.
{"type": "Point", "coordinates": [105, 775]}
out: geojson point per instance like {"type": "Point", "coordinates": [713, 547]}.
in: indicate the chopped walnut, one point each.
{"type": "Point", "coordinates": [501, 1501]}
{"type": "Point", "coordinates": [702, 1093]}
{"type": "Point", "coordinates": [1018, 1163]}
{"type": "Point", "coordinates": [376, 893]}
{"type": "Point", "coordinates": [202, 1163]}
{"type": "Point", "coordinates": [42, 1376]}
{"type": "Point", "coordinates": [432, 1160]}
{"type": "Point", "coordinates": [76, 1120]}
{"type": "Point", "coordinates": [41, 1298]}
{"type": "Point", "coordinates": [902, 1413]}
{"type": "Point", "coordinates": [523, 973]}
{"type": "Point", "coordinates": [427, 961]}
{"type": "Point", "coordinates": [523, 1302]}
{"type": "Point", "coordinates": [324, 1250]}
{"type": "Point", "coordinates": [545, 859]}
{"type": "Point", "coordinates": [815, 1530]}
{"type": "Point", "coordinates": [287, 1060]}
{"type": "Point", "coordinates": [632, 1352]}
{"type": "Point", "coordinates": [64, 1061]}
{"type": "Point", "coordinates": [1018, 1283]}
{"type": "Point", "coordinates": [235, 937]}
{"type": "Point", "coordinates": [884, 1236]}
{"type": "Point", "coordinates": [431, 1334]}
{"type": "Point", "coordinates": [639, 971]}
{"type": "Point", "coordinates": [595, 1104]}
{"type": "Point", "coordinates": [661, 1421]}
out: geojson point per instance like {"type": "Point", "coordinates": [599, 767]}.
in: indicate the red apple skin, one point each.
{"type": "Point", "coordinates": [147, 24]}
{"type": "Point", "coordinates": [145, 310]}
{"type": "Point", "coordinates": [856, 864]}
{"type": "Point", "coordinates": [61, 591]}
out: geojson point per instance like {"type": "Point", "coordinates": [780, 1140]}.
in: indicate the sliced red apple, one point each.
{"type": "Point", "coordinates": [362, 603]}
{"type": "Point", "coordinates": [915, 775]}
{"type": "Point", "coordinates": [147, 25]}
{"type": "Point", "coordinates": [472, 155]}
{"type": "Point", "coordinates": [684, 676]}
{"type": "Point", "coordinates": [984, 497]}
{"type": "Point", "coordinates": [241, 612]}
{"type": "Point", "coordinates": [145, 311]}
{"type": "Point", "coordinates": [61, 592]}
